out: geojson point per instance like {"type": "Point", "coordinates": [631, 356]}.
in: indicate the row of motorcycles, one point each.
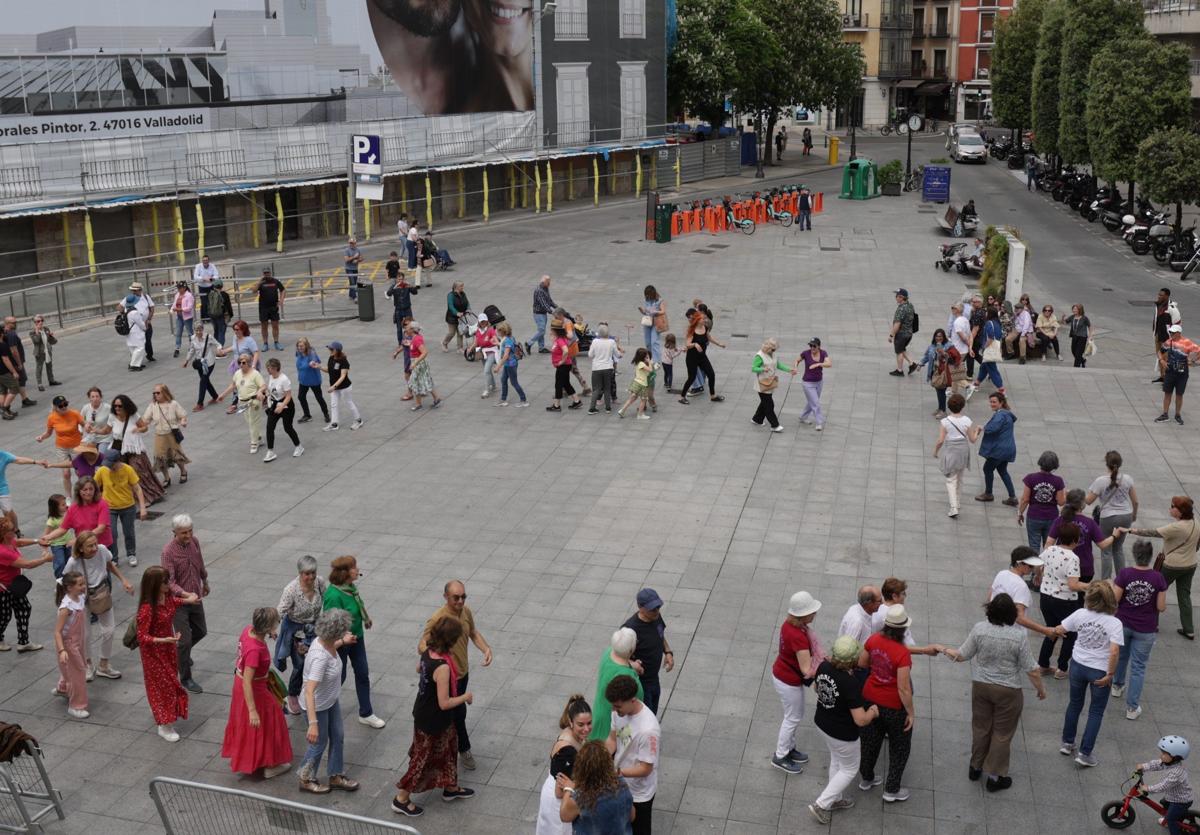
{"type": "Point", "coordinates": [1145, 229]}
{"type": "Point", "coordinates": [1004, 149]}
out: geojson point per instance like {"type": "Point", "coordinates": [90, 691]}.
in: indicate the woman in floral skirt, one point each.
{"type": "Point", "coordinates": [157, 638]}
{"type": "Point", "coordinates": [422, 380]}
{"type": "Point", "coordinates": [257, 733]}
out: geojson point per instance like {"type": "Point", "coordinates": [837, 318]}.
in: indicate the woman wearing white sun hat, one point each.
{"type": "Point", "coordinates": [794, 669]}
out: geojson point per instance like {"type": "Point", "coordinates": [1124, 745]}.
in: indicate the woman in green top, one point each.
{"type": "Point", "coordinates": [764, 367]}
{"type": "Point", "coordinates": [343, 594]}
{"type": "Point", "coordinates": [615, 662]}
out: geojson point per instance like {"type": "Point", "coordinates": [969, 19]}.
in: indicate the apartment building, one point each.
{"type": "Point", "coordinates": [976, 37]}
{"type": "Point", "coordinates": [1178, 21]}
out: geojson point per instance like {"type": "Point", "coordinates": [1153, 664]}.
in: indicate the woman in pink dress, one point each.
{"type": "Point", "coordinates": [257, 733]}
{"type": "Point", "coordinates": [157, 638]}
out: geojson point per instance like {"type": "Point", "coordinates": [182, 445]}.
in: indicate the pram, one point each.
{"type": "Point", "coordinates": [494, 317]}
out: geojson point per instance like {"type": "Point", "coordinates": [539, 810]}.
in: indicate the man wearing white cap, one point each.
{"type": "Point", "coordinates": [792, 672]}
{"type": "Point", "coordinates": [1024, 562]}
{"type": "Point", "coordinates": [486, 344]}
{"type": "Point", "coordinates": [1175, 357]}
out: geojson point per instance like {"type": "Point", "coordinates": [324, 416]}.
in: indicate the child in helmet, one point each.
{"type": "Point", "coordinates": [1175, 786]}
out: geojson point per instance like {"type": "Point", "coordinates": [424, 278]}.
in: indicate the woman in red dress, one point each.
{"type": "Point", "coordinates": [257, 734]}
{"type": "Point", "coordinates": [156, 642]}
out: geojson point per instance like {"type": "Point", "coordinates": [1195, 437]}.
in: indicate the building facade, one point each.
{"type": "Point", "coordinates": [1178, 21]}
{"type": "Point", "coordinates": [976, 37]}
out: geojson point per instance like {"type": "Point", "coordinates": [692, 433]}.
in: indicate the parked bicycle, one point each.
{"type": "Point", "coordinates": [914, 179]}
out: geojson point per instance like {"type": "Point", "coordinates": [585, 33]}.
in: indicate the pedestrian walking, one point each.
{"type": "Point", "coordinates": [89, 512]}
{"type": "Point", "coordinates": [457, 308]}
{"type": "Point", "coordinates": [509, 359]}
{"type": "Point", "coordinates": [243, 346]}
{"type": "Point", "coordinates": [157, 641]}
{"type": "Point", "coordinates": [143, 303]}
{"type": "Point", "coordinates": [248, 385]}
{"type": "Point", "coordinates": [340, 388]}
{"type": "Point", "coordinates": [976, 318]}
{"type": "Point", "coordinates": [43, 340]}
{"type": "Point", "coordinates": [604, 353]}
{"type": "Point", "coordinates": [857, 622]}
{"type": "Point", "coordinates": [635, 742]}
{"type": "Point", "coordinates": [938, 370]}
{"type": "Point", "coordinates": [956, 434]}
{"type": "Point", "coordinates": [280, 406]}
{"type": "Point", "coordinates": [135, 339]}
{"type": "Point", "coordinates": [669, 353]}
{"type": "Point", "coordinates": [1023, 565]}
{"type": "Point", "coordinates": [1043, 494]}
{"type": "Point", "coordinates": [120, 486]}
{"type": "Point", "coordinates": [204, 275]}
{"type": "Point", "coordinates": [487, 347]}
{"type": "Point", "coordinates": [256, 735]}
{"type": "Point", "coordinates": [1058, 597]}
{"type": "Point", "coordinates": [561, 360]}
{"type": "Point", "coordinates": [1141, 594]}
{"type": "Point", "coordinates": [126, 431]}
{"type": "Point", "coordinates": [70, 641]}
{"type": "Point", "coordinates": [1090, 533]}
{"type": "Point", "coordinates": [308, 375]}
{"type": "Point", "coordinates": [95, 420]}
{"type": "Point", "coordinates": [168, 420]}
{"type": "Point", "coordinates": [652, 651]}
{"type": "Point", "coordinates": [202, 356]}
{"type": "Point", "coordinates": [351, 258]}
{"type": "Point", "coordinates": [698, 339]}
{"type": "Point", "coordinates": [441, 693]}
{"type": "Point", "coordinates": [543, 306]}
{"type": "Point", "coordinates": [989, 360]}
{"type": "Point", "coordinates": [764, 367]}
{"type": "Point", "coordinates": [220, 309]}
{"type": "Point", "coordinates": [794, 669]}
{"type": "Point", "coordinates": [807, 140]}
{"type": "Point", "coordinates": [342, 593]}
{"type": "Point", "coordinates": [840, 716]}
{"type": "Point", "coordinates": [455, 608]}
{"type": "Point", "coordinates": [904, 322]}
{"type": "Point", "coordinates": [15, 587]}
{"type": "Point", "coordinates": [300, 605]}
{"type": "Point", "coordinates": [654, 322]}
{"type": "Point", "coordinates": [639, 387]}
{"type": "Point", "coordinates": [1030, 172]}
{"type": "Point", "coordinates": [187, 576]}
{"type": "Point", "coordinates": [66, 425]}
{"type": "Point", "coordinates": [574, 726]}
{"type": "Point", "coordinates": [421, 383]}
{"type": "Point", "coordinates": [1181, 539]}
{"type": "Point", "coordinates": [1176, 355]}
{"type": "Point", "coordinates": [323, 675]}
{"type": "Point", "coordinates": [998, 448]}
{"type": "Point", "coordinates": [1079, 326]}
{"type": "Point", "coordinates": [270, 292]}
{"type": "Point", "coordinates": [1117, 508]}
{"type": "Point", "coordinates": [1001, 654]}
{"type": "Point", "coordinates": [60, 546]}
{"type": "Point", "coordinates": [595, 800]}
{"type": "Point", "coordinates": [1099, 636]}
{"type": "Point", "coordinates": [401, 293]}
{"type": "Point", "coordinates": [183, 310]}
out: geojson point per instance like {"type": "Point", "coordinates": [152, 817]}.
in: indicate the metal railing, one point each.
{"type": "Point", "coordinates": [570, 26]}
{"type": "Point", "coordinates": [931, 31]}
{"type": "Point", "coordinates": [894, 69]}
{"type": "Point", "coordinates": [188, 808]}
{"type": "Point", "coordinates": [1170, 6]}
{"type": "Point", "coordinates": [1195, 66]}
{"type": "Point", "coordinates": [896, 21]}
{"type": "Point", "coordinates": [26, 795]}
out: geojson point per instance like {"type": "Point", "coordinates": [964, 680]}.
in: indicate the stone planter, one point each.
{"type": "Point", "coordinates": [890, 189]}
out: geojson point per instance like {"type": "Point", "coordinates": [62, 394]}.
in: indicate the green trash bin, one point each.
{"type": "Point", "coordinates": [860, 180]}
{"type": "Point", "coordinates": [662, 222]}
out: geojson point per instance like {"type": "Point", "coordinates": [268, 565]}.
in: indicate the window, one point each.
{"type": "Point", "coordinates": [633, 99]}
{"type": "Point", "coordinates": [942, 26]}
{"type": "Point", "coordinates": [987, 23]}
{"type": "Point", "coordinates": [633, 18]}
{"type": "Point", "coordinates": [574, 110]}
{"type": "Point", "coordinates": [983, 63]}
{"type": "Point", "coordinates": [915, 63]}
{"type": "Point", "coordinates": [570, 21]}
{"type": "Point", "coordinates": [939, 63]}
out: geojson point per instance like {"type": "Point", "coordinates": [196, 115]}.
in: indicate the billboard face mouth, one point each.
{"type": "Point", "coordinates": [458, 56]}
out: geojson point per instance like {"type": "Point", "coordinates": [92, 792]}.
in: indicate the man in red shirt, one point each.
{"type": "Point", "coordinates": [1175, 357]}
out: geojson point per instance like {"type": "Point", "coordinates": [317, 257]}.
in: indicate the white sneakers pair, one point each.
{"type": "Point", "coordinates": [371, 721]}
{"type": "Point", "coordinates": [168, 733]}
{"type": "Point", "coordinates": [271, 456]}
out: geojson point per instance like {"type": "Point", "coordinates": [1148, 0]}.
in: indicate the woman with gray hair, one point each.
{"type": "Point", "coordinates": [1043, 495]}
{"type": "Point", "coordinates": [615, 662]}
{"type": "Point", "coordinates": [421, 383]}
{"type": "Point", "coordinates": [299, 607]}
{"type": "Point", "coordinates": [256, 735]}
{"type": "Point", "coordinates": [322, 686]}
{"type": "Point", "coordinates": [604, 353]}
{"type": "Point", "coordinates": [764, 367]}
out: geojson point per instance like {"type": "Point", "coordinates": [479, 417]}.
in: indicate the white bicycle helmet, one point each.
{"type": "Point", "coordinates": [1174, 745]}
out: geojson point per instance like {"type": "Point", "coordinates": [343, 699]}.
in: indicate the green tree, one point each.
{"type": "Point", "coordinates": [1168, 167]}
{"type": "Point", "coordinates": [1090, 25]}
{"type": "Point", "coordinates": [697, 82]}
{"type": "Point", "coordinates": [1046, 77]}
{"type": "Point", "coordinates": [1136, 85]}
{"type": "Point", "coordinates": [1013, 60]}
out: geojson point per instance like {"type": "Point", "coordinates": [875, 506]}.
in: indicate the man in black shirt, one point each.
{"type": "Point", "coordinates": [16, 352]}
{"type": "Point", "coordinates": [270, 307]}
{"type": "Point", "coordinates": [1162, 321]}
{"type": "Point", "coordinates": [401, 293]}
{"type": "Point", "coordinates": [652, 649]}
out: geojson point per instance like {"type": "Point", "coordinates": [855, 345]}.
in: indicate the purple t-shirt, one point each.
{"type": "Point", "coordinates": [1138, 609]}
{"type": "Point", "coordinates": [1089, 533]}
{"type": "Point", "coordinates": [813, 375]}
{"type": "Point", "coordinates": [1043, 493]}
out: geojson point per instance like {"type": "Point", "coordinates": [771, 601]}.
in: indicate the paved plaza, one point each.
{"type": "Point", "coordinates": [554, 521]}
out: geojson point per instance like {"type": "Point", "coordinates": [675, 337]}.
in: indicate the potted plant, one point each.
{"type": "Point", "coordinates": [890, 178]}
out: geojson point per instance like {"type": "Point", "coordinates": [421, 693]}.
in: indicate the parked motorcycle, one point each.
{"type": "Point", "coordinates": [1140, 229]}
{"type": "Point", "coordinates": [1000, 147]}
{"type": "Point", "coordinates": [948, 254]}
{"type": "Point", "coordinates": [1181, 250]}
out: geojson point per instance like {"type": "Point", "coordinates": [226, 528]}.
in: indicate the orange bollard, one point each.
{"type": "Point", "coordinates": [794, 203]}
{"type": "Point", "coordinates": [697, 219]}
{"type": "Point", "coordinates": [818, 202]}
{"type": "Point", "coordinates": [710, 219]}
{"type": "Point", "coordinates": [738, 211]}
{"type": "Point", "coordinates": [748, 209]}
{"type": "Point", "coordinates": [686, 221]}
{"type": "Point", "coordinates": [676, 223]}
{"type": "Point", "coordinates": [720, 218]}
{"type": "Point", "coordinates": [760, 211]}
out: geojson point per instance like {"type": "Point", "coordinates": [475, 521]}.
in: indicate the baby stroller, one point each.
{"type": "Point", "coordinates": [467, 326]}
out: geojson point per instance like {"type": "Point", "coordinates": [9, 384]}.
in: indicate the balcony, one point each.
{"type": "Point", "coordinates": [1165, 18]}
{"type": "Point", "coordinates": [855, 22]}
{"type": "Point", "coordinates": [933, 31]}
{"type": "Point", "coordinates": [895, 69]}
{"type": "Point", "coordinates": [896, 21]}
{"type": "Point", "coordinates": [570, 26]}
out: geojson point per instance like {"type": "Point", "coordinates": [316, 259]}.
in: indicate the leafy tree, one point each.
{"type": "Point", "coordinates": [1136, 85]}
{"type": "Point", "coordinates": [1013, 60]}
{"type": "Point", "coordinates": [697, 81]}
{"type": "Point", "coordinates": [1044, 100]}
{"type": "Point", "coordinates": [1090, 25]}
{"type": "Point", "coordinates": [1168, 167]}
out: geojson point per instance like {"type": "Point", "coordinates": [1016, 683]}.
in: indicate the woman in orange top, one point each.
{"type": "Point", "coordinates": [63, 422]}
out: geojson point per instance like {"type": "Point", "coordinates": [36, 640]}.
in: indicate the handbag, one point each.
{"type": "Point", "coordinates": [198, 363]}
{"type": "Point", "coordinates": [942, 377]}
{"type": "Point", "coordinates": [130, 640]}
{"type": "Point", "coordinates": [276, 686]}
{"type": "Point", "coordinates": [177, 434]}
{"type": "Point", "coordinates": [991, 352]}
{"type": "Point", "coordinates": [647, 321]}
{"type": "Point", "coordinates": [99, 599]}
{"type": "Point", "coordinates": [1103, 501]}
{"type": "Point", "coordinates": [769, 384]}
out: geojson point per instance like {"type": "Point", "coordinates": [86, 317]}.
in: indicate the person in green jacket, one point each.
{"type": "Point", "coordinates": [764, 367]}
{"type": "Point", "coordinates": [343, 594]}
{"type": "Point", "coordinates": [615, 662]}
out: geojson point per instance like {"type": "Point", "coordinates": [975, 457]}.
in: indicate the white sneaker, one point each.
{"type": "Point", "coordinates": [643, 417]}
{"type": "Point", "coordinates": [77, 714]}
{"type": "Point", "coordinates": [1118, 690]}
{"type": "Point", "coordinates": [298, 451]}
{"type": "Point", "coordinates": [357, 424]}
{"type": "Point", "coordinates": [253, 448]}
{"type": "Point", "coordinates": [132, 560]}
{"type": "Point", "coordinates": [778, 428]}
{"type": "Point", "coordinates": [270, 456]}
{"type": "Point", "coordinates": [276, 770]}
{"type": "Point", "coordinates": [1134, 713]}
{"type": "Point", "coordinates": [502, 403]}
{"type": "Point", "coordinates": [486, 395]}
{"type": "Point", "coordinates": [91, 673]}
{"type": "Point", "coordinates": [371, 721]}
{"type": "Point", "coordinates": [968, 393]}
{"type": "Point", "coordinates": [168, 733]}
{"type": "Point", "coordinates": [330, 427]}
{"type": "Point", "coordinates": [523, 404]}
{"type": "Point", "coordinates": [820, 427]}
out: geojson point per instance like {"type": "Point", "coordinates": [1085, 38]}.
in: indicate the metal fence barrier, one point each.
{"type": "Point", "coordinates": [26, 795]}
{"type": "Point", "coordinates": [188, 808]}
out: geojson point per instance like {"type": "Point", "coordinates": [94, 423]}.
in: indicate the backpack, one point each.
{"type": "Point", "coordinates": [121, 323]}
{"type": "Point", "coordinates": [916, 322]}
{"type": "Point", "coordinates": [518, 350]}
{"type": "Point", "coordinates": [1173, 310]}
{"type": "Point", "coordinates": [1177, 361]}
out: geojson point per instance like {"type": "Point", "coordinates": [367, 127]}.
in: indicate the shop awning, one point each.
{"type": "Point", "coordinates": [933, 88]}
{"type": "Point", "coordinates": [908, 84]}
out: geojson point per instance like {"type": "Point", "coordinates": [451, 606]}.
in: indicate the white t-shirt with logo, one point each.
{"type": "Point", "coordinates": [278, 387]}
{"type": "Point", "coordinates": [638, 742]}
{"type": "Point", "coordinates": [1006, 582]}
{"type": "Point", "coordinates": [1094, 633]}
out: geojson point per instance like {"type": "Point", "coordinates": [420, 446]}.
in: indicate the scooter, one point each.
{"type": "Point", "coordinates": [948, 254]}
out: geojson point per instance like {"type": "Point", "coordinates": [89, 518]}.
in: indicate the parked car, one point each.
{"type": "Point", "coordinates": [969, 147]}
{"type": "Point", "coordinates": [955, 129]}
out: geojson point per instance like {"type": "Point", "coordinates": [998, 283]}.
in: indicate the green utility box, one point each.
{"type": "Point", "coordinates": [860, 180]}
{"type": "Point", "coordinates": [662, 222]}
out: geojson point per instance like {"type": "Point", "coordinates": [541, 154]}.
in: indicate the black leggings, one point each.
{"type": "Point", "coordinates": [698, 361]}
{"type": "Point", "coordinates": [1054, 611]}
{"type": "Point", "coordinates": [272, 418]}
{"type": "Point", "coordinates": [890, 724]}
{"type": "Point", "coordinates": [316, 390]}
{"type": "Point", "coordinates": [562, 382]}
{"type": "Point", "coordinates": [1078, 344]}
{"type": "Point", "coordinates": [1048, 342]}
{"type": "Point", "coordinates": [766, 409]}
{"type": "Point", "coordinates": [206, 385]}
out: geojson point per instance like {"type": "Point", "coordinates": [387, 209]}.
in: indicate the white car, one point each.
{"type": "Point", "coordinates": [969, 147]}
{"type": "Point", "coordinates": [957, 128]}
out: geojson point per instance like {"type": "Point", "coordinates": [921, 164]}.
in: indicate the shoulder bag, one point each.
{"type": "Point", "coordinates": [99, 598]}
{"type": "Point", "coordinates": [1162, 557]}
{"type": "Point", "coordinates": [176, 432]}
{"type": "Point", "coordinates": [1104, 497]}
{"type": "Point", "coordinates": [130, 640]}
{"type": "Point", "coordinates": [198, 363]}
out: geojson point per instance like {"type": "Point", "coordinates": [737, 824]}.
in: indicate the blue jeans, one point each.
{"type": "Point", "coordinates": [489, 362]}
{"type": "Point", "coordinates": [1081, 678]}
{"type": "Point", "coordinates": [1175, 813]}
{"type": "Point", "coordinates": [218, 329]}
{"type": "Point", "coordinates": [126, 516]}
{"type": "Point", "coordinates": [806, 219]}
{"type": "Point", "coordinates": [991, 466]}
{"type": "Point", "coordinates": [653, 692]}
{"type": "Point", "coordinates": [1037, 530]}
{"type": "Point", "coordinates": [62, 553]}
{"type": "Point", "coordinates": [1134, 654]}
{"type": "Point", "coordinates": [296, 680]}
{"type": "Point", "coordinates": [181, 325]}
{"type": "Point", "coordinates": [331, 733]}
{"type": "Point", "coordinates": [356, 654]}
{"type": "Point", "coordinates": [653, 342]}
{"type": "Point", "coordinates": [509, 374]}
{"type": "Point", "coordinates": [352, 277]}
{"type": "Point", "coordinates": [539, 321]}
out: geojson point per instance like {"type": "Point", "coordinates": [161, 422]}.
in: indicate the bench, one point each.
{"type": "Point", "coordinates": [950, 222]}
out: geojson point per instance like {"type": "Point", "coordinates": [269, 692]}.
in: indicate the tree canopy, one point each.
{"type": "Point", "coordinates": [1013, 59]}
{"type": "Point", "coordinates": [1044, 99]}
{"type": "Point", "coordinates": [1168, 167]}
